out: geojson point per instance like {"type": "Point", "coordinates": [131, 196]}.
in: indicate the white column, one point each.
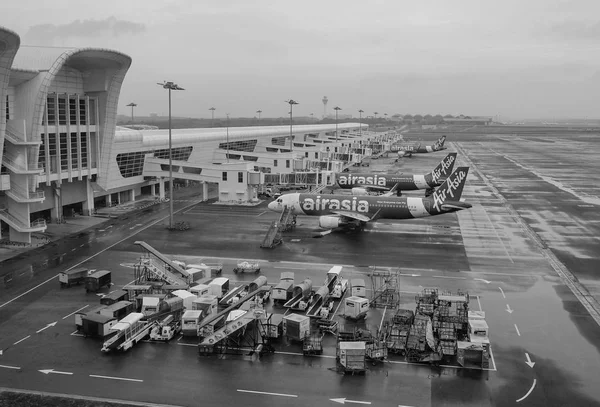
{"type": "Point", "coordinates": [107, 200]}
{"type": "Point", "coordinates": [132, 195]}
{"type": "Point", "coordinates": [161, 188]}
{"type": "Point", "coordinates": [88, 204]}
{"type": "Point", "coordinates": [205, 191]}
{"type": "Point", "coordinates": [153, 190]}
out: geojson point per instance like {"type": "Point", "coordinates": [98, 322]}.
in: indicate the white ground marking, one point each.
{"type": "Point", "coordinates": [76, 333]}
{"type": "Point", "coordinates": [498, 236]}
{"type": "Point", "coordinates": [74, 312]}
{"type": "Point", "coordinates": [517, 328]}
{"type": "Point", "coordinates": [479, 302]}
{"type": "Point", "coordinates": [267, 393]}
{"type": "Point", "coordinates": [262, 213]}
{"type": "Point", "coordinates": [116, 378]}
{"type": "Point", "coordinates": [21, 340]}
{"type": "Point", "coordinates": [456, 278]}
{"type": "Point", "coordinates": [502, 291]}
{"type": "Point", "coordinates": [529, 392]}
{"type": "Point", "coordinates": [10, 367]}
{"type": "Point", "coordinates": [91, 257]}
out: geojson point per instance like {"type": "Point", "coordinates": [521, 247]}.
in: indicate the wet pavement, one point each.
{"type": "Point", "coordinates": [486, 251]}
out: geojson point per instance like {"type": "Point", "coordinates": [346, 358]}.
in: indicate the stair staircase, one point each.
{"type": "Point", "coordinates": [232, 327]}
{"type": "Point", "coordinates": [160, 271]}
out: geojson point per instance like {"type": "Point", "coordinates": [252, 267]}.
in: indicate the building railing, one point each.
{"type": "Point", "coordinates": [18, 224]}
{"type": "Point", "coordinates": [24, 193]}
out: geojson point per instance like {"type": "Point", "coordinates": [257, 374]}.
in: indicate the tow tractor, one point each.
{"type": "Point", "coordinates": [166, 329]}
{"type": "Point", "coordinates": [247, 267]}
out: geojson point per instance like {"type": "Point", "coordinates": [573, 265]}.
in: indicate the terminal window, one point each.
{"type": "Point", "coordinates": [240, 177]}
{"type": "Point", "coordinates": [243, 145]}
{"type": "Point", "coordinates": [224, 175]}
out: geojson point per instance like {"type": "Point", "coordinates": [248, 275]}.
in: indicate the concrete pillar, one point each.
{"type": "Point", "coordinates": [107, 200]}
{"type": "Point", "coordinates": [153, 190]}
{"type": "Point", "coordinates": [205, 191]}
{"type": "Point", "coordinates": [88, 204]}
{"type": "Point", "coordinates": [118, 198]}
{"type": "Point", "coordinates": [56, 212]}
{"type": "Point", "coordinates": [132, 195]}
{"type": "Point", "coordinates": [161, 188]}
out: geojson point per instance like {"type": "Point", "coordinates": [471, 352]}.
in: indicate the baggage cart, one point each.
{"type": "Point", "coordinates": [97, 280]}
{"type": "Point", "coordinates": [312, 345]}
{"type": "Point", "coordinates": [74, 276]}
{"type": "Point", "coordinates": [247, 267]}
{"type": "Point", "coordinates": [114, 297]}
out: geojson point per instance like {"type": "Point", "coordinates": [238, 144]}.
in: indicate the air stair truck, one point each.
{"type": "Point", "coordinates": [127, 332]}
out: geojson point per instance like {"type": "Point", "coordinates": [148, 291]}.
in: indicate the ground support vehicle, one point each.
{"type": "Point", "coordinates": [312, 344]}
{"type": "Point", "coordinates": [166, 329]}
{"type": "Point", "coordinates": [351, 357]}
{"type": "Point", "coordinates": [127, 332]}
{"type": "Point", "coordinates": [328, 326]}
{"type": "Point", "coordinates": [376, 351]}
{"type": "Point", "coordinates": [247, 267]}
{"type": "Point", "coordinates": [74, 276]}
{"type": "Point", "coordinates": [97, 280]}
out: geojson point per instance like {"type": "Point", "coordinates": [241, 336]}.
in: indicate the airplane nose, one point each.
{"type": "Point", "coordinates": [271, 206]}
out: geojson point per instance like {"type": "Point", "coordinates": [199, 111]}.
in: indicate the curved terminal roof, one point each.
{"type": "Point", "coordinates": [153, 138]}
{"type": "Point", "coordinates": [39, 58]}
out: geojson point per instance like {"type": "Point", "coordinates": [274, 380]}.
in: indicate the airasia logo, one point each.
{"type": "Point", "coordinates": [439, 196]}
{"type": "Point", "coordinates": [443, 167]}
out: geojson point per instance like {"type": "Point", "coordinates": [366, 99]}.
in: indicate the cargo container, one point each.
{"type": "Point", "coordinates": [187, 297]}
{"type": "Point", "coordinates": [312, 344]}
{"type": "Point", "coordinates": [119, 309]}
{"type": "Point", "coordinates": [140, 298]}
{"type": "Point", "coordinates": [190, 322]}
{"type": "Point", "coordinates": [74, 276]}
{"type": "Point", "coordinates": [196, 274]}
{"type": "Point", "coordinates": [200, 290]}
{"type": "Point", "coordinates": [296, 327]}
{"type": "Point", "coordinates": [351, 357]}
{"type": "Point", "coordinates": [97, 280]}
{"type": "Point", "coordinates": [219, 286]}
{"type": "Point", "coordinates": [115, 296]}
{"type": "Point", "coordinates": [206, 303]}
{"type": "Point", "coordinates": [282, 292]}
{"type": "Point", "coordinates": [358, 287]}
{"type": "Point", "coordinates": [80, 314]}
{"type": "Point", "coordinates": [97, 325]}
{"type": "Point", "coordinates": [356, 307]}
{"type": "Point", "coordinates": [274, 325]}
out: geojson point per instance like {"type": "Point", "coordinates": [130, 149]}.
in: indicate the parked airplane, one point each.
{"type": "Point", "coordinates": [408, 150]}
{"type": "Point", "coordinates": [366, 183]}
{"type": "Point", "coordinates": [354, 212]}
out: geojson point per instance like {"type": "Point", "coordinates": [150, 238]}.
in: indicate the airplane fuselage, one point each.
{"type": "Point", "coordinates": [384, 207]}
{"type": "Point", "coordinates": [406, 182]}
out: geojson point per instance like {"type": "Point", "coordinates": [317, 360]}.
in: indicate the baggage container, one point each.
{"type": "Point", "coordinates": [296, 327]}
{"type": "Point", "coordinates": [190, 322]}
{"type": "Point", "coordinates": [200, 290]}
{"type": "Point", "coordinates": [196, 274]}
{"type": "Point", "coordinates": [80, 314]}
{"type": "Point", "coordinates": [358, 287]}
{"type": "Point", "coordinates": [352, 357]}
{"type": "Point", "coordinates": [97, 325]}
{"type": "Point", "coordinates": [219, 286]}
{"type": "Point", "coordinates": [115, 296]}
{"type": "Point", "coordinates": [97, 280]}
{"type": "Point", "coordinates": [356, 307]}
{"type": "Point", "coordinates": [206, 303]}
{"type": "Point", "coordinates": [283, 291]}
{"type": "Point", "coordinates": [74, 276]}
{"type": "Point", "coordinates": [274, 325]}
{"type": "Point", "coordinates": [187, 297]}
{"type": "Point", "coordinates": [118, 310]}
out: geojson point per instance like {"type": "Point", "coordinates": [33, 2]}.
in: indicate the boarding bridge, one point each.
{"type": "Point", "coordinates": [155, 264]}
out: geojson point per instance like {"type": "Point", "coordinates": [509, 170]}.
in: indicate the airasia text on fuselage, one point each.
{"type": "Point", "coordinates": [440, 195]}
{"type": "Point", "coordinates": [333, 204]}
{"type": "Point", "coordinates": [349, 179]}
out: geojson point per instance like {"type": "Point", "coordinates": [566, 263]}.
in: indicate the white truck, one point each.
{"type": "Point", "coordinates": [166, 329]}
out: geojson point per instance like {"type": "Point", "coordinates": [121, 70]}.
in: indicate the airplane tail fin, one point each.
{"type": "Point", "coordinates": [442, 140]}
{"type": "Point", "coordinates": [451, 189]}
{"type": "Point", "coordinates": [444, 168]}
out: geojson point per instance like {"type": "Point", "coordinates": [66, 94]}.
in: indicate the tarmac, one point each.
{"type": "Point", "coordinates": [545, 343]}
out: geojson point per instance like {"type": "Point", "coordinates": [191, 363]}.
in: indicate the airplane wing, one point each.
{"type": "Point", "coordinates": [373, 187]}
{"type": "Point", "coordinates": [456, 205]}
{"type": "Point", "coordinates": [353, 215]}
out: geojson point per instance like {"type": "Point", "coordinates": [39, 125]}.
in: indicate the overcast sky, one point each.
{"type": "Point", "coordinates": [515, 58]}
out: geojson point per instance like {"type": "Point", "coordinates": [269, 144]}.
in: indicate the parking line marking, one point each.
{"type": "Point", "coordinates": [529, 392]}
{"type": "Point", "coordinates": [502, 291]}
{"type": "Point", "coordinates": [74, 312]}
{"type": "Point", "coordinates": [517, 328]}
{"type": "Point", "coordinates": [10, 367]}
{"type": "Point", "coordinates": [116, 378]}
{"type": "Point", "coordinates": [76, 333]}
{"type": "Point", "coordinates": [456, 278]}
{"type": "Point", "coordinates": [19, 341]}
{"type": "Point", "coordinates": [479, 302]}
{"type": "Point", "coordinates": [267, 393]}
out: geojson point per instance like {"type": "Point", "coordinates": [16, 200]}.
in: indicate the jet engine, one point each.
{"type": "Point", "coordinates": [359, 191]}
{"type": "Point", "coordinates": [330, 222]}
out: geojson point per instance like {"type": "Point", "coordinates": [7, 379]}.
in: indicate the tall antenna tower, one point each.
{"type": "Point", "coordinates": [324, 100]}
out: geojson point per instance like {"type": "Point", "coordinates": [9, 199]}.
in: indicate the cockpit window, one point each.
{"type": "Point", "coordinates": [279, 200]}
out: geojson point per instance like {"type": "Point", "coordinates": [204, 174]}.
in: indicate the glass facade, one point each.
{"type": "Point", "coordinates": [245, 145]}
{"type": "Point", "coordinates": [132, 164]}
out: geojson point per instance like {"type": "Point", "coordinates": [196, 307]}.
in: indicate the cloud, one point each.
{"type": "Point", "coordinates": [47, 33]}
{"type": "Point", "coordinates": [576, 30]}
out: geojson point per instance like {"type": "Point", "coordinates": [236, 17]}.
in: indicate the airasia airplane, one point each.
{"type": "Point", "coordinates": [408, 151]}
{"type": "Point", "coordinates": [353, 212]}
{"type": "Point", "coordinates": [369, 183]}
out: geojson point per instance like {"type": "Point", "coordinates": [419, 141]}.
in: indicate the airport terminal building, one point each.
{"type": "Point", "coordinates": [62, 152]}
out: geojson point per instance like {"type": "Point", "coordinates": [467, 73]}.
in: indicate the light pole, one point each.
{"type": "Point", "coordinates": [132, 106]}
{"type": "Point", "coordinates": [375, 113]}
{"type": "Point", "coordinates": [291, 102]}
{"type": "Point", "coordinates": [360, 112]}
{"type": "Point", "coordinates": [227, 141]}
{"type": "Point", "coordinates": [212, 117]}
{"type": "Point", "coordinates": [336, 121]}
{"type": "Point", "coordinates": [171, 86]}
{"type": "Point", "coordinates": [259, 112]}
{"type": "Point", "coordinates": [312, 117]}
